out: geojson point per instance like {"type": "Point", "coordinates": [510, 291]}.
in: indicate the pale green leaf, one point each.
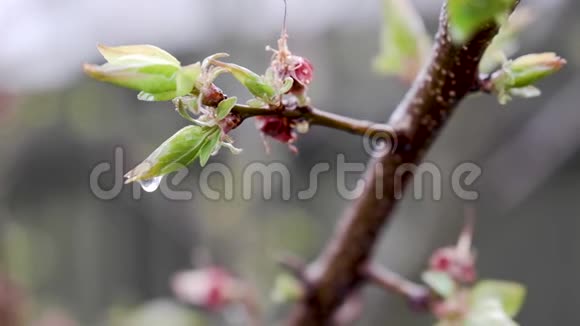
{"type": "Point", "coordinates": [405, 43]}
{"type": "Point", "coordinates": [525, 92]}
{"type": "Point", "coordinates": [156, 97]}
{"type": "Point", "coordinates": [288, 82]}
{"type": "Point", "coordinates": [511, 295]}
{"type": "Point", "coordinates": [252, 81]}
{"type": "Point", "coordinates": [187, 77]}
{"type": "Point", "coordinates": [175, 153]}
{"type": "Point", "coordinates": [286, 289]}
{"type": "Point", "coordinates": [488, 312]}
{"type": "Point", "coordinates": [141, 53]}
{"type": "Point", "coordinates": [225, 106]}
{"type": "Point", "coordinates": [439, 282]}
{"type": "Point", "coordinates": [150, 79]}
{"type": "Point", "coordinates": [210, 146]}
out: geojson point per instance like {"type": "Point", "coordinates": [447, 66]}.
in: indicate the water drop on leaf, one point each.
{"type": "Point", "coordinates": [150, 185]}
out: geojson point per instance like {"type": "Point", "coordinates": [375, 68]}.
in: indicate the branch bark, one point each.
{"type": "Point", "coordinates": [451, 74]}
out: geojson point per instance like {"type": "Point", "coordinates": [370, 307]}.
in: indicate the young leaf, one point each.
{"type": "Point", "coordinates": [487, 312]}
{"type": "Point", "coordinates": [528, 69]}
{"type": "Point", "coordinates": [505, 43]}
{"type": "Point", "coordinates": [145, 51]}
{"type": "Point", "coordinates": [466, 17]}
{"type": "Point", "coordinates": [145, 68]}
{"type": "Point", "coordinates": [210, 146]}
{"type": "Point", "coordinates": [439, 282]}
{"type": "Point", "coordinates": [256, 103]}
{"type": "Point", "coordinates": [286, 289]}
{"type": "Point", "coordinates": [517, 77]}
{"type": "Point", "coordinates": [186, 78]}
{"type": "Point", "coordinates": [175, 153]}
{"type": "Point", "coordinates": [510, 294]}
{"type": "Point", "coordinates": [405, 44]}
{"type": "Point", "coordinates": [252, 81]}
{"type": "Point", "coordinates": [288, 82]}
{"type": "Point", "coordinates": [156, 97]}
{"type": "Point", "coordinates": [150, 79]}
{"type": "Point", "coordinates": [225, 106]}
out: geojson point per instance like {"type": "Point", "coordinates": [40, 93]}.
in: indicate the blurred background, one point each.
{"type": "Point", "coordinates": [74, 259]}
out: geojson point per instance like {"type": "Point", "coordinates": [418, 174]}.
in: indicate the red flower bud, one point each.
{"type": "Point", "coordinates": [279, 128]}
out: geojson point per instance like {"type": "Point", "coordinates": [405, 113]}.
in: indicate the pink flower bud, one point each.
{"type": "Point", "coordinates": [211, 288]}
{"type": "Point", "coordinates": [457, 261]}
{"type": "Point", "coordinates": [451, 261]}
{"type": "Point", "coordinates": [303, 70]}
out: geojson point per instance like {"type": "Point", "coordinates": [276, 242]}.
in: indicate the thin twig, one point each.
{"type": "Point", "coordinates": [416, 294]}
{"type": "Point", "coordinates": [318, 117]}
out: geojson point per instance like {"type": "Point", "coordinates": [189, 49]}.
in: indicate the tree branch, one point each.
{"type": "Point", "coordinates": [318, 117]}
{"type": "Point", "coordinates": [451, 74]}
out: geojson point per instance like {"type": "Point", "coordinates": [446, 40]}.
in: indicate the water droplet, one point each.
{"type": "Point", "coordinates": [150, 185]}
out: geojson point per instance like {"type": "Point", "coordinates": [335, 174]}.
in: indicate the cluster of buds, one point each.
{"type": "Point", "coordinates": [299, 70]}
{"type": "Point", "coordinates": [459, 299]}
{"type": "Point", "coordinates": [285, 65]}
{"type": "Point", "coordinates": [517, 77]}
{"type": "Point", "coordinates": [457, 261]}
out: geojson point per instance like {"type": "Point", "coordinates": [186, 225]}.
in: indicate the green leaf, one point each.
{"type": "Point", "coordinates": [439, 282]}
{"type": "Point", "coordinates": [256, 103]}
{"type": "Point", "coordinates": [225, 106]}
{"type": "Point", "coordinates": [505, 43]}
{"type": "Point", "coordinates": [511, 295]}
{"type": "Point", "coordinates": [141, 53]}
{"type": "Point", "coordinates": [286, 289]}
{"type": "Point", "coordinates": [288, 82]}
{"type": "Point", "coordinates": [156, 97]}
{"type": "Point", "coordinates": [210, 146]}
{"type": "Point", "coordinates": [150, 79]}
{"type": "Point", "coordinates": [529, 69]}
{"type": "Point", "coordinates": [405, 43]}
{"type": "Point", "coordinates": [187, 77]}
{"type": "Point", "coordinates": [516, 78]}
{"type": "Point", "coordinates": [467, 17]}
{"type": "Point", "coordinates": [525, 92]}
{"type": "Point", "coordinates": [145, 68]}
{"type": "Point", "coordinates": [487, 312]}
{"type": "Point", "coordinates": [252, 81]}
{"type": "Point", "coordinates": [175, 153]}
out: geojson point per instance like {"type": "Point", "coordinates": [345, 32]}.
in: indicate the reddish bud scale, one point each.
{"type": "Point", "coordinates": [279, 128]}
{"type": "Point", "coordinates": [450, 261]}
{"type": "Point", "coordinates": [212, 95]}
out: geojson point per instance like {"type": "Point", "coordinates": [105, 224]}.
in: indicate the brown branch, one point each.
{"type": "Point", "coordinates": [317, 117]}
{"type": "Point", "coordinates": [450, 75]}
